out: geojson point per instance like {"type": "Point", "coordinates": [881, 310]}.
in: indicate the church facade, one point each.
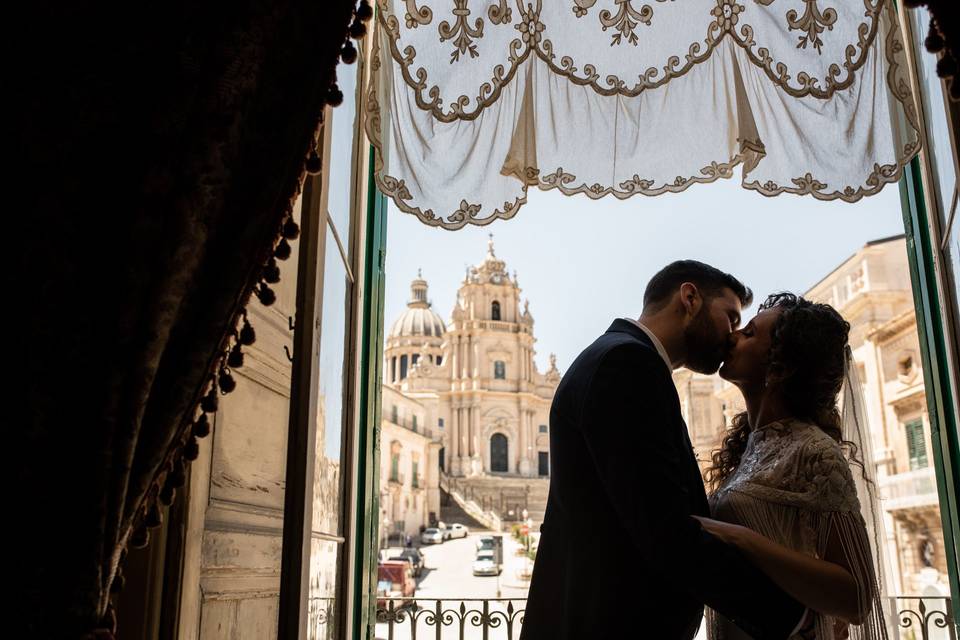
{"type": "Point", "coordinates": [476, 376]}
{"type": "Point", "coordinates": [474, 379]}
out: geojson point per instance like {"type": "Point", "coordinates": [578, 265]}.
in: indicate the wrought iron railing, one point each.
{"type": "Point", "coordinates": [449, 618]}
{"type": "Point", "coordinates": [912, 618]}
{"type": "Point", "coordinates": [924, 618]}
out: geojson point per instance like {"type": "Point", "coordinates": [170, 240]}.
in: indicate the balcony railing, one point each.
{"type": "Point", "coordinates": [911, 618]}
{"type": "Point", "coordinates": [448, 618]}
{"type": "Point", "coordinates": [912, 489]}
{"type": "Point", "coordinates": [924, 618]}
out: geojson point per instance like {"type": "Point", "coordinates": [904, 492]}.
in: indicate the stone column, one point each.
{"type": "Point", "coordinates": [476, 359]}
{"type": "Point", "coordinates": [454, 349]}
{"type": "Point", "coordinates": [523, 464]}
{"type": "Point", "coordinates": [527, 463]}
{"type": "Point", "coordinates": [455, 436]}
{"type": "Point", "coordinates": [453, 450]}
{"type": "Point", "coordinates": [476, 462]}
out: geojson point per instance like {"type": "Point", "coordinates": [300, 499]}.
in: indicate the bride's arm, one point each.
{"type": "Point", "coordinates": [825, 585]}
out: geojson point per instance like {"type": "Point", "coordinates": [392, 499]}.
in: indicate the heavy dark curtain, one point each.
{"type": "Point", "coordinates": [156, 148]}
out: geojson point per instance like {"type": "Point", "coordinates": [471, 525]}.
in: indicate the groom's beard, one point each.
{"type": "Point", "coordinates": [706, 348]}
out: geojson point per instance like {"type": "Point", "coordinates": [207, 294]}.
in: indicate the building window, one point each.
{"type": "Point", "coordinates": [403, 367]}
{"type": "Point", "coordinates": [395, 467]}
{"type": "Point", "coordinates": [439, 360]}
{"type": "Point", "coordinates": [394, 415]}
{"type": "Point", "coordinates": [393, 369]}
{"type": "Point", "coordinates": [543, 464]}
{"type": "Point", "coordinates": [416, 357]}
{"type": "Point", "coordinates": [543, 428]}
{"type": "Point", "coordinates": [495, 310]}
{"type": "Point", "coordinates": [498, 453]}
{"type": "Point", "coordinates": [499, 370]}
{"type": "Point", "coordinates": [916, 444]}
{"type": "Point", "coordinates": [413, 480]}
{"type": "Point", "coordinates": [414, 422]}
{"type": "Point", "coordinates": [440, 422]}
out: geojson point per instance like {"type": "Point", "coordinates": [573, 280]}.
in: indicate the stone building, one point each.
{"type": "Point", "coordinates": [871, 289]}
{"type": "Point", "coordinates": [476, 385]}
{"type": "Point", "coordinates": [409, 467]}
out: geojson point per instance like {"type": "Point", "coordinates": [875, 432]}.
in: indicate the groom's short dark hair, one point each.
{"type": "Point", "coordinates": [709, 280]}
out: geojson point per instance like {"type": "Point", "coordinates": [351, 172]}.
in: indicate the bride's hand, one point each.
{"type": "Point", "coordinates": [730, 533]}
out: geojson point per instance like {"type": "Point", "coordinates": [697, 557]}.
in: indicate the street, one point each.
{"type": "Point", "coordinates": [448, 577]}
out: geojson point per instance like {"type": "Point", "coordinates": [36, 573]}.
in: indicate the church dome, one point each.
{"type": "Point", "coordinates": [419, 319]}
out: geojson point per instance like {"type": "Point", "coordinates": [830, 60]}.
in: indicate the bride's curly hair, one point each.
{"type": "Point", "coordinates": [807, 359]}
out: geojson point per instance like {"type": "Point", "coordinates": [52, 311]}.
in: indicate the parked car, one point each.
{"type": "Point", "coordinates": [457, 530]}
{"type": "Point", "coordinates": [444, 529]}
{"type": "Point", "coordinates": [411, 555]}
{"type": "Point", "coordinates": [486, 564]}
{"type": "Point", "coordinates": [395, 580]}
{"type": "Point", "coordinates": [389, 552]}
{"type": "Point", "coordinates": [485, 543]}
{"type": "Point", "coordinates": [432, 535]}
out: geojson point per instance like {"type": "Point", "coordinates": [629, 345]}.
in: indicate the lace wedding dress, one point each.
{"type": "Point", "coordinates": [795, 486]}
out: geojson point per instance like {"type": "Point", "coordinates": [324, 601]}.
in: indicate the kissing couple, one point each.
{"type": "Point", "coordinates": [633, 545]}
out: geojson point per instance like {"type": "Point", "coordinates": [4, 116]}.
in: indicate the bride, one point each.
{"type": "Point", "coordinates": [788, 487]}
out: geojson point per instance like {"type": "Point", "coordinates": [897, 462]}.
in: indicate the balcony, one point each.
{"type": "Point", "coordinates": [396, 478]}
{"type": "Point", "coordinates": [909, 490]}
{"type": "Point", "coordinates": [497, 325]}
{"type": "Point", "coordinates": [449, 618]}
{"type": "Point", "coordinates": [910, 618]}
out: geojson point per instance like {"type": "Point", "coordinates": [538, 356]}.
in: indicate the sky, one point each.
{"type": "Point", "coordinates": [582, 263]}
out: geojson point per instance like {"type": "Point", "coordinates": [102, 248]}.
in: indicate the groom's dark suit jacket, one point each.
{"type": "Point", "coordinates": [619, 555]}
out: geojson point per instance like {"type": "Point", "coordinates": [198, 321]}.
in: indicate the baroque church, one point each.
{"type": "Point", "coordinates": [471, 385]}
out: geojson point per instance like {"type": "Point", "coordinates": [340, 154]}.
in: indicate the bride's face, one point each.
{"type": "Point", "coordinates": [749, 351]}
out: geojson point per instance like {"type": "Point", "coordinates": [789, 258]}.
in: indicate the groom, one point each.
{"type": "Point", "coordinates": [619, 555]}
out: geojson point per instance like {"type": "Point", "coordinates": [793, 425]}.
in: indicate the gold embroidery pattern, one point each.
{"type": "Point", "coordinates": [838, 76]}
{"type": "Point", "coordinates": [500, 13]}
{"type": "Point", "coordinates": [855, 56]}
{"type": "Point", "coordinates": [727, 14]}
{"type": "Point", "coordinates": [461, 32]}
{"type": "Point", "coordinates": [813, 22]}
{"type": "Point", "coordinates": [487, 94]}
{"type": "Point", "coordinates": [626, 20]}
{"type": "Point", "coordinates": [580, 7]}
{"type": "Point", "coordinates": [467, 213]}
{"type": "Point", "coordinates": [530, 26]}
{"type": "Point", "coordinates": [415, 17]}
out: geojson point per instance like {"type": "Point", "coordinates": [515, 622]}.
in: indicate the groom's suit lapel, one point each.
{"type": "Point", "coordinates": [624, 326]}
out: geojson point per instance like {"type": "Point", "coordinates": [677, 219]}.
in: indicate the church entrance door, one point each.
{"type": "Point", "coordinates": [498, 453]}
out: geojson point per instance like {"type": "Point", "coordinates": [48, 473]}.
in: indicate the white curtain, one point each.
{"type": "Point", "coordinates": [471, 102]}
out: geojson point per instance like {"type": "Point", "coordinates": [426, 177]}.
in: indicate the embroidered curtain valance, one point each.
{"type": "Point", "coordinates": [471, 102]}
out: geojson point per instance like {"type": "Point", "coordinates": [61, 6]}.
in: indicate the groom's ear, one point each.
{"type": "Point", "coordinates": [690, 298]}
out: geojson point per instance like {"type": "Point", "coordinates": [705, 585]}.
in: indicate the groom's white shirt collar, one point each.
{"type": "Point", "coordinates": [656, 343]}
